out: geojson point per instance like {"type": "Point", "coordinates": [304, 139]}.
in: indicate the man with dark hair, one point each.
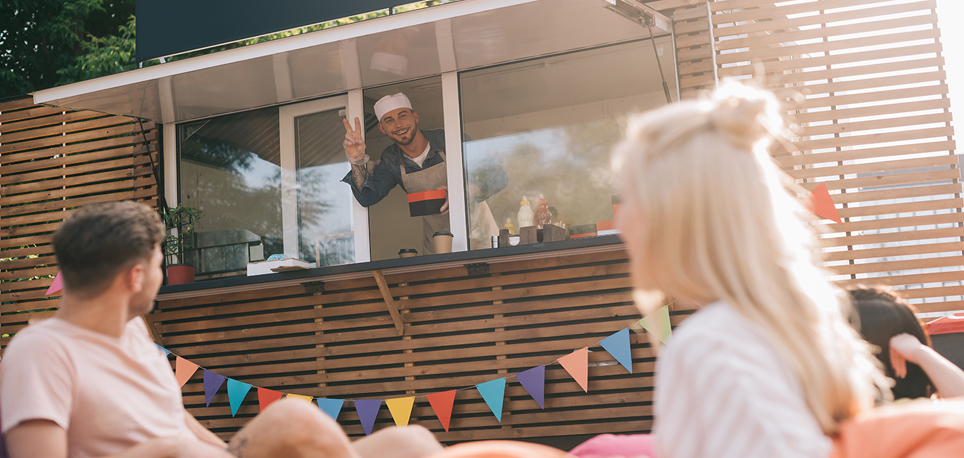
{"type": "Point", "coordinates": [90, 382]}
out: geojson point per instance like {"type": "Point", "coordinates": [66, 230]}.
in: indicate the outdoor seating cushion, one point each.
{"type": "Point", "coordinates": [615, 446]}
{"type": "Point", "coordinates": [500, 449]}
{"type": "Point", "coordinates": [914, 429]}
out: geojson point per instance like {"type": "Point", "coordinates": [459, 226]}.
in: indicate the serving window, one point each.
{"type": "Point", "coordinates": [551, 124]}
{"type": "Point", "coordinates": [269, 180]}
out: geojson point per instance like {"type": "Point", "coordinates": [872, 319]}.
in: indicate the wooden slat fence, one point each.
{"type": "Point", "coordinates": [461, 328]}
{"type": "Point", "coordinates": [52, 161]}
{"type": "Point", "coordinates": [865, 80]}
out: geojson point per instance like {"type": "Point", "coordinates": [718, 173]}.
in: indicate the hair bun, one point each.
{"type": "Point", "coordinates": [745, 115]}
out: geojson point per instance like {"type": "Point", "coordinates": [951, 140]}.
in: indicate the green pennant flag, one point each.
{"type": "Point", "coordinates": [657, 323]}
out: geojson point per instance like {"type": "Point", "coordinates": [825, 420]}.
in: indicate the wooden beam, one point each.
{"type": "Point", "coordinates": [387, 295]}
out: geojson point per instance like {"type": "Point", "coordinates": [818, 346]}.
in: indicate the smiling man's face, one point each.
{"type": "Point", "coordinates": [400, 125]}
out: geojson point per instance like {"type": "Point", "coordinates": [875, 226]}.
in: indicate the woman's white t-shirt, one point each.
{"type": "Point", "coordinates": [723, 391]}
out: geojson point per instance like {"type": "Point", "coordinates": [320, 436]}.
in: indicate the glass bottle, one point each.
{"type": "Point", "coordinates": [525, 217]}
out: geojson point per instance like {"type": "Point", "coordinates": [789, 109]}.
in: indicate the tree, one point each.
{"type": "Point", "coordinates": [42, 41]}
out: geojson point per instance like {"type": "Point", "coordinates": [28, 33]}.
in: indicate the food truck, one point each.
{"type": "Point", "coordinates": [519, 331]}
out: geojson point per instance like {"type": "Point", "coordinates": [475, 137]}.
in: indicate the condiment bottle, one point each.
{"type": "Point", "coordinates": [509, 227]}
{"type": "Point", "coordinates": [543, 215]}
{"type": "Point", "coordinates": [525, 217]}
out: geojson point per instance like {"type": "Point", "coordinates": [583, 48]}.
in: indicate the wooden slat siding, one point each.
{"type": "Point", "coordinates": [873, 125]}
{"type": "Point", "coordinates": [460, 330]}
{"type": "Point", "coordinates": [51, 162]}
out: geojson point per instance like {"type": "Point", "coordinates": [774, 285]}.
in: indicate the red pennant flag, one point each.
{"type": "Point", "coordinates": [266, 397]}
{"type": "Point", "coordinates": [821, 204]}
{"type": "Point", "coordinates": [183, 370]}
{"type": "Point", "coordinates": [577, 365]}
{"type": "Point", "coordinates": [442, 405]}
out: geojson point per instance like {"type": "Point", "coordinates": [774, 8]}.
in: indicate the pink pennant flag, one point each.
{"type": "Point", "coordinates": [56, 286]}
{"type": "Point", "coordinates": [821, 204]}
{"type": "Point", "coordinates": [401, 409]}
{"type": "Point", "coordinates": [442, 405]}
{"type": "Point", "coordinates": [577, 365]}
{"type": "Point", "coordinates": [266, 397]}
{"type": "Point", "coordinates": [183, 370]}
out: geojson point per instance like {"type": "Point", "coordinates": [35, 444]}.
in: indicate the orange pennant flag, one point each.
{"type": "Point", "coordinates": [266, 397]}
{"type": "Point", "coordinates": [401, 409]}
{"type": "Point", "coordinates": [183, 370]}
{"type": "Point", "coordinates": [577, 365]}
{"type": "Point", "coordinates": [442, 405]}
{"type": "Point", "coordinates": [821, 204]}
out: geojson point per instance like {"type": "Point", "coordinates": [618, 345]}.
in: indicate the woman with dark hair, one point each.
{"type": "Point", "coordinates": [888, 322]}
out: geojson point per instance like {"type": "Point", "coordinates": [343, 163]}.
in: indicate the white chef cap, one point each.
{"type": "Point", "coordinates": [391, 102]}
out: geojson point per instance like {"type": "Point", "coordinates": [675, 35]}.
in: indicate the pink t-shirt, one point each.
{"type": "Point", "coordinates": [109, 394]}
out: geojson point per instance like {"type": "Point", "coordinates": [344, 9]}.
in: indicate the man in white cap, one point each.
{"type": "Point", "coordinates": [416, 162]}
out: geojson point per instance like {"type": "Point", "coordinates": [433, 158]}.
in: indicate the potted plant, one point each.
{"type": "Point", "coordinates": [181, 222]}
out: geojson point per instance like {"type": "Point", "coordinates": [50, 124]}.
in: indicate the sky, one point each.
{"type": "Point", "coordinates": [950, 13]}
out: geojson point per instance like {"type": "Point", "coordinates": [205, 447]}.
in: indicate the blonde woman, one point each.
{"type": "Point", "coordinates": [769, 366]}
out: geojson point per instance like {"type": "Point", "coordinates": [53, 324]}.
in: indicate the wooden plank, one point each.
{"type": "Point", "coordinates": [798, 51]}
{"type": "Point", "coordinates": [93, 144]}
{"type": "Point", "coordinates": [780, 24]}
{"type": "Point", "coordinates": [120, 193]}
{"type": "Point", "coordinates": [866, 153]}
{"type": "Point", "coordinates": [17, 173]}
{"type": "Point", "coordinates": [894, 237]}
{"type": "Point", "coordinates": [894, 210]}
{"type": "Point", "coordinates": [893, 251]}
{"type": "Point", "coordinates": [55, 133]}
{"type": "Point", "coordinates": [51, 142]}
{"type": "Point", "coordinates": [893, 266]}
{"type": "Point", "coordinates": [789, 38]}
{"type": "Point", "coordinates": [947, 160]}
{"type": "Point", "coordinates": [389, 302]}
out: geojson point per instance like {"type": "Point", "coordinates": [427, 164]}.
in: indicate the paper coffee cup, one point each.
{"type": "Point", "coordinates": [443, 242]}
{"type": "Point", "coordinates": [407, 253]}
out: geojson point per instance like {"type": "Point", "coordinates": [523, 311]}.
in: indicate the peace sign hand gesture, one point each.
{"type": "Point", "coordinates": [354, 143]}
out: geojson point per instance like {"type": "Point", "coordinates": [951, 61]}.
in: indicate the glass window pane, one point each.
{"type": "Point", "coordinates": [230, 169]}
{"type": "Point", "coordinates": [550, 124]}
{"type": "Point", "coordinates": [324, 202]}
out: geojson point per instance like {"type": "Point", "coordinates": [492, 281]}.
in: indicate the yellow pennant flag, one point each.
{"type": "Point", "coordinates": [401, 409]}
{"type": "Point", "coordinates": [298, 396]}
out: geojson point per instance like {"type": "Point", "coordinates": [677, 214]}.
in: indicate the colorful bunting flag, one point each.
{"type": "Point", "coordinates": [534, 381]}
{"type": "Point", "coordinates": [657, 323]}
{"type": "Point", "coordinates": [577, 365]}
{"type": "Point", "coordinates": [618, 346]}
{"type": "Point", "coordinates": [401, 409]}
{"type": "Point", "coordinates": [298, 396]}
{"type": "Point", "coordinates": [183, 370]}
{"type": "Point", "coordinates": [367, 411]}
{"type": "Point", "coordinates": [164, 350]}
{"type": "Point", "coordinates": [236, 393]}
{"type": "Point", "coordinates": [332, 407]}
{"type": "Point", "coordinates": [267, 397]}
{"type": "Point", "coordinates": [212, 383]}
{"type": "Point", "coordinates": [56, 286]}
{"type": "Point", "coordinates": [821, 204]}
{"type": "Point", "coordinates": [493, 392]}
{"type": "Point", "coordinates": [442, 405]}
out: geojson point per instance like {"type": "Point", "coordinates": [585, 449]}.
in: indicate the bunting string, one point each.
{"type": "Point", "coordinates": [576, 364]}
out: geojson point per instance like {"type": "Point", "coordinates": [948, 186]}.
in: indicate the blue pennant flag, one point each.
{"type": "Point", "coordinates": [332, 407]}
{"type": "Point", "coordinates": [618, 346]}
{"type": "Point", "coordinates": [493, 392]}
{"type": "Point", "coordinates": [164, 350]}
{"type": "Point", "coordinates": [236, 393]}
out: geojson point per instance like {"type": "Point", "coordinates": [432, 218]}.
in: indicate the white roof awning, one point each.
{"type": "Point", "coordinates": [452, 37]}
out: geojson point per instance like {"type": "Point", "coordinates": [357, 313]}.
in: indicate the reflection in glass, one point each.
{"type": "Point", "coordinates": [230, 169]}
{"type": "Point", "coordinates": [551, 123]}
{"type": "Point", "coordinates": [324, 202]}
